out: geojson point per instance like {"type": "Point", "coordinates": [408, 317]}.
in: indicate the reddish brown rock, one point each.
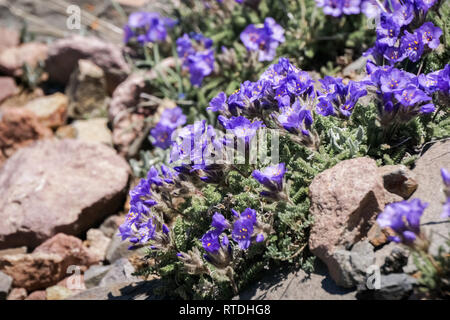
{"type": "Point", "coordinates": [8, 88]}
{"type": "Point", "coordinates": [33, 271]}
{"type": "Point", "coordinates": [37, 295]}
{"type": "Point", "coordinates": [9, 38]}
{"type": "Point", "coordinates": [345, 201]}
{"type": "Point", "coordinates": [64, 54]}
{"type": "Point", "coordinates": [13, 59]}
{"type": "Point", "coordinates": [19, 128]}
{"type": "Point", "coordinates": [69, 247]}
{"type": "Point", "coordinates": [58, 186]}
{"type": "Point", "coordinates": [17, 294]}
{"type": "Point", "coordinates": [50, 110]}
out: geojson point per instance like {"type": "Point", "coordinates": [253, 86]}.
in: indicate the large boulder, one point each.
{"type": "Point", "coordinates": [431, 190]}
{"type": "Point", "coordinates": [19, 128]}
{"type": "Point", "coordinates": [57, 186]}
{"type": "Point", "coordinates": [345, 201]}
{"type": "Point", "coordinates": [64, 54]}
{"type": "Point", "coordinates": [9, 38]}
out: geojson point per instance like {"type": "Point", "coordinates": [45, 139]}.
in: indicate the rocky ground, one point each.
{"type": "Point", "coordinates": [64, 178]}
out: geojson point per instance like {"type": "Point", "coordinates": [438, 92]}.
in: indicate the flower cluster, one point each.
{"type": "Point", "coordinates": [402, 97]}
{"type": "Point", "coordinates": [446, 179]}
{"type": "Point", "coordinates": [272, 178]}
{"type": "Point", "coordinates": [404, 219]}
{"type": "Point", "coordinates": [147, 27]}
{"type": "Point", "coordinates": [169, 121]}
{"type": "Point", "coordinates": [395, 39]}
{"type": "Point", "coordinates": [335, 98]}
{"type": "Point", "coordinates": [197, 56]}
{"type": "Point", "coordinates": [264, 40]}
{"type": "Point", "coordinates": [245, 230]}
{"type": "Point", "coordinates": [283, 94]}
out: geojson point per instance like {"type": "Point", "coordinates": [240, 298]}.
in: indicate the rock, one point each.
{"type": "Point", "coordinates": [377, 236]}
{"type": "Point", "coordinates": [128, 126]}
{"type": "Point", "coordinates": [9, 38]}
{"type": "Point", "coordinates": [119, 249]}
{"type": "Point", "coordinates": [64, 54]}
{"type": "Point", "coordinates": [8, 88]}
{"type": "Point", "coordinates": [68, 247]}
{"type": "Point", "coordinates": [74, 283]}
{"type": "Point", "coordinates": [344, 203]}
{"type": "Point", "coordinates": [87, 91]}
{"type": "Point", "coordinates": [353, 265]}
{"type": "Point", "coordinates": [22, 98]}
{"type": "Point", "coordinates": [58, 186]}
{"type": "Point", "coordinates": [50, 110]}
{"type": "Point", "coordinates": [19, 128]}
{"type": "Point", "coordinates": [13, 59]}
{"type": "Point", "coordinates": [93, 130]}
{"type": "Point", "coordinates": [33, 271]}
{"type": "Point", "coordinates": [58, 293]}
{"type": "Point", "coordinates": [111, 224]}
{"type": "Point", "coordinates": [296, 285]}
{"type": "Point", "coordinates": [395, 286]}
{"type": "Point", "coordinates": [6, 252]}
{"type": "Point", "coordinates": [94, 275]}
{"type": "Point", "coordinates": [391, 258]}
{"type": "Point", "coordinates": [17, 294]}
{"type": "Point", "coordinates": [37, 295]}
{"type": "Point", "coordinates": [5, 285]}
{"type": "Point", "coordinates": [121, 271]}
{"type": "Point", "coordinates": [66, 132]}
{"type": "Point", "coordinates": [399, 180]}
{"type": "Point", "coordinates": [96, 244]}
{"type": "Point", "coordinates": [142, 290]}
{"type": "Point", "coordinates": [430, 189]}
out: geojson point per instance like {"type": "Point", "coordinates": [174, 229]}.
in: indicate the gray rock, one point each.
{"type": "Point", "coordinates": [391, 258]}
{"type": "Point", "coordinates": [142, 290]}
{"type": "Point", "coordinates": [94, 275]}
{"type": "Point", "coordinates": [353, 264]}
{"type": "Point", "coordinates": [399, 180]}
{"type": "Point", "coordinates": [120, 271]}
{"type": "Point", "coordinates": [297, 285]}
{"type": "Point", "coordinates": [395, 286]}
{"type": "Point", "coordinates": [119, 249]}
{"type": "Point", "coordinates": [431, 190]}
{"type": "Point", "coordinates": [5, 285]}
{"type": "Point", "coordinates": [110, 225]}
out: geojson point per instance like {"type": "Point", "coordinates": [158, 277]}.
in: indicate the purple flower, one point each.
{"type": "Point", "coordinates": [218, 103]}
{"type": "Point", "coordinates": [242, 128]}
{"type": "Point", "coordinates": [445, 177]}
{"type": "Point", "coordinates": [264, 40]}
{"type": "Point", "coordinates": [296, 118]}
{"type": "Point", "coordinates": [199, 61]}
{"type": "Point", "coordinates": [430, 34]}
{"type": "Point", "coordinates": [331, 7]}
{"type": "Point", "coordinates": [242, 232]}
{"type": "Point", "coordinates": [351, 6]}
{"type": "Point", "coordinates": [210, 241]}
{"type": "Point", "coordinates": [446, 209]}
{"type": "Point", "coordinates": [153, 176]}
{"type": "Point", "coordinates": [443, 80]}
{"type": "Point", "coordinates": [173, 118]}
{"type": "Point", "coordinates": [403, 13]}
{"type": "Point", "coordinates": [219, 222]}
{"type": "Point", "coordinates": [425, 5]}
{"type": "Point", "coordinates": [249, 214]}
{"type": "Point", "coordinates": [161, 135]}
{"type": "Point", "coordinates": [147, 27]}
{"type": "Point", "coordinates": [387, 30]}
{"type": "Point", "coordinates": [412, 46]}
{"type": "Point", "coordinates": [404, 218]}
{"type": "Point", "coordinates": [411, 96]}
{"type": "Point", "coordinates": [271, 177]}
